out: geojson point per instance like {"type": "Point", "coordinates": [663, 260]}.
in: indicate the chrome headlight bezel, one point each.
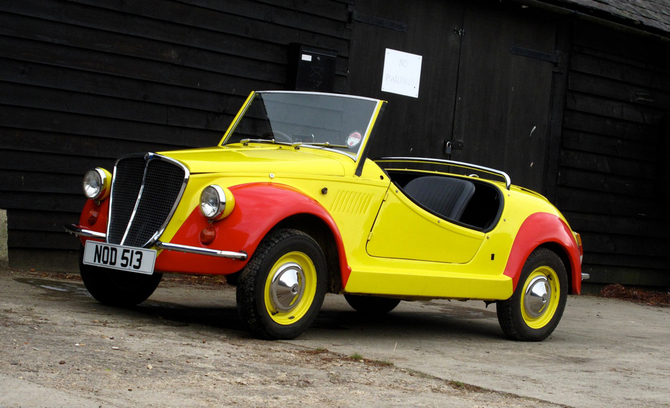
{"type": "Point", "coordinates": [216, 202]}
{"type": "Point", "coordinates": [96, 184]}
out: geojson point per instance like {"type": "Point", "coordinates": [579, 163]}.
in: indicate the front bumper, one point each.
{"type": "Point", "coordinates": [241, 256]}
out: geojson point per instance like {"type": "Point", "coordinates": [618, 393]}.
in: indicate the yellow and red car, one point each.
{"type": "Point", "coordinates": [289, 207]}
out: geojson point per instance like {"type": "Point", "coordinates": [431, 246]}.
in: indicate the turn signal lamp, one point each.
{"type": "Point", "coordinates": [207, 235]}
{"type": "Point", "coordinates": [93, 215]}
{"type": "Point", "coordinates": [578, 238]}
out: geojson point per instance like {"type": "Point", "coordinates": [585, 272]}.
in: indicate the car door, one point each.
{"type": "Point", "coordinates": [403, 230]}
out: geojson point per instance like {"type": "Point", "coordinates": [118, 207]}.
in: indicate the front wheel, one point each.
{"type": "Point", "coordinates": [536, 307]}
{"type": "Point", "coordinates": [281, 290]}
{"type": "Point", "coordinates": [117, 288]}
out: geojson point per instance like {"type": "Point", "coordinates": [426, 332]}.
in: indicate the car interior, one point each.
{"type": "Point", "coordinates": [470, 203]}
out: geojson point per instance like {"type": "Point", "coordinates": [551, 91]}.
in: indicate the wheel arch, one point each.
{"type": "Point", "coordinates": [547, 231]}
{"type": "Point", "coordinates": [565, 258]}
{"type": "Point", "coordinates": [322, 233]}
{"type": "Point", "coordinates": [260, 209]}
{"type": "Point", "coordinates": [292, 209]}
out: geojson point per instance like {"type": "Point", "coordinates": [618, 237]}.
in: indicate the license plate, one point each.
{"type": "Point", "coordinates": [129, 259]}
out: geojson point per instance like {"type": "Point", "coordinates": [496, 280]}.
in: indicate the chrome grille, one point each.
{"type": "Point", "coordinates": [145, 192]}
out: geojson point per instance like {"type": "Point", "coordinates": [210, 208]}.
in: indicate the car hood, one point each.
{"type": "Point", "coordinates": [271, 159]}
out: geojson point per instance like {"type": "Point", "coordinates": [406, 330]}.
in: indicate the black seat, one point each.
{"type": "Point", "coordinates": [445, 196]}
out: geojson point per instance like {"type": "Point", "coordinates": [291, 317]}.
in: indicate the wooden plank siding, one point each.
{"type": "Point", "coordinates": [609, 165]}
{"type": "Point", "coordinates": [85, 81]}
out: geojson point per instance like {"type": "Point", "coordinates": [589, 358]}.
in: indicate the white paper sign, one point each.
{"type": "Point", "coordinates": [402, 73]}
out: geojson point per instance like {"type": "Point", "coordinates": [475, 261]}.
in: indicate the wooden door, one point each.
{"type": "Point", "coordinates": [503, 102]}
{"type": "Point", "coordinates": [486, 82]}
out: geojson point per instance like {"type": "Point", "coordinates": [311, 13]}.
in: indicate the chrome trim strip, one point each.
{"type": "Point", "coordinates": [241, 256]}
{"type": "Point", "coordinates": [500, 173]}
{"type": "Point", "coordinates": [585, 276]}
{"type": "Point", "coordinates": [365, 98]}
{"type": "Point", "coordinates": [137, 203]}
{"type": "Point", "coordinates": [75, 229]}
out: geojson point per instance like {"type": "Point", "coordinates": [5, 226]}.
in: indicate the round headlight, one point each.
{"type": "Point", "coordinates": [96, 184]}
{"type": "Point", "coordinates": [216, 202]}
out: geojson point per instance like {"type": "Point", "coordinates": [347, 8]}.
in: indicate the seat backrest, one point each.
{"type": "Point", "coordinates": [446, 196]}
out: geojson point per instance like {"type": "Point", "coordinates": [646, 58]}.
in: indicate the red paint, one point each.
{"type": "Point", "coordinates": [539, 229]}
{"type": "Point", "coordinates": [99, 223]}
{"type": "Point", "coordinates": [258, 208]}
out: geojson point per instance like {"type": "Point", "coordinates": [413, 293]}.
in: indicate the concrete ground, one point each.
{"type": "Point", "coordinates": [605, 352]}
{"type": "Point", "coordinates": [185, 347]}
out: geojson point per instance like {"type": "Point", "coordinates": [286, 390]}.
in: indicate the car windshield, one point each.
{"type": "Point", "coordinates": [325, 121]}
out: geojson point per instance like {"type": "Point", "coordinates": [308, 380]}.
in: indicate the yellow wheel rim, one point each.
{"type": "Point", "coordinates": [540, 297]}
{"type": "Point", "coordinates": [290, 288]}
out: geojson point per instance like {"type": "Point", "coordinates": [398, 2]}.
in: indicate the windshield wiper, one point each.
{"type": "Point", "coordinates": [327, 144]}
{"type": "Point", "coordinates": [273, 141]}
{"type": "Point", "coordinates": [245, 142]}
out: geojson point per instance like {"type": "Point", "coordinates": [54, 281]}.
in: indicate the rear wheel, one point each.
{"type": "Point", "coordinates": [281, 290]}
{"type": "Point", "coordinates": [371, 305]}
{"type": "Point", "coordinates": [117, 288]}
{"type": "Point", "coordinates": [536, 307]}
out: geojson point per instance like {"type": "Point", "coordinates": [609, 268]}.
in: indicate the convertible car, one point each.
{"type": "Point", "coordinates": [289, 207]}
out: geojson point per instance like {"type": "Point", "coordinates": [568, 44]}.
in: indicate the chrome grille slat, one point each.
{"type": "Point", "coordinates": [126, 184]}
{"type": "Point", "coordinates": [145, 192]}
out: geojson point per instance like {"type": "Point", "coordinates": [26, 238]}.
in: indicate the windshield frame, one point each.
{"type": "Point", "coordinates": [365, 134]}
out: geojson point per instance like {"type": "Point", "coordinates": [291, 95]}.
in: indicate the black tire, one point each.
{"type": "Point", "coordinates": [281, 290]}
{"type": "Point", "coordinates": [117, 288]}
{"type": "Point", "coordinates": [537, 305]}
{"type": "Point", "coordinates": [372, 305]}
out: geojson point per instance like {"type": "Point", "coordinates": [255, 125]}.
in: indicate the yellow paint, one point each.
{"type": "Point", "coordinates": [230, 203]}
{"type": "Point", "coordinates": [405, 231]}
{"type": "Point", "coordinates": [262, 158]}
{"type": "Point", "coordinates": [107, 186]}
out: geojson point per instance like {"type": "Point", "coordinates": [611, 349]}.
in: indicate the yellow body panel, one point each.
{"type": "Point", "coordinates": [405, 231]}
{"type": "Point", "coordinates": [480, 277]}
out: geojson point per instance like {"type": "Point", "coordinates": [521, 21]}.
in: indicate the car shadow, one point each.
{"type": "Point", "coordinates": [399, 323]}
{"type": "Point", "coordinates": [440, 321]}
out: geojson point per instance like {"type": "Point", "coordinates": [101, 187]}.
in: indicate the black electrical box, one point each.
{"type": "Point", "coordinates": [310, 68]}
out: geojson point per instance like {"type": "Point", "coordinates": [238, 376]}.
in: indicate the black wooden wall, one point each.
{"type": "Point", "coordinates": [84, 81]}
{"type": "Point", "coordinates": [613, 175]}
{"type": "Point", "coordinates": [475, 92]}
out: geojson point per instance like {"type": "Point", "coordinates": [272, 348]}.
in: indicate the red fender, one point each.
{"type": "Point", "coordinates": [258, 208]}
{"type": "Point", "coordinates": [94, 217]}
{"type": "Point", "coordinates": [539, 229]}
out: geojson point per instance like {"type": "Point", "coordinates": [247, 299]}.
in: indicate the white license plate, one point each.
{"type": "Point", "coordinates": [138, 260]}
